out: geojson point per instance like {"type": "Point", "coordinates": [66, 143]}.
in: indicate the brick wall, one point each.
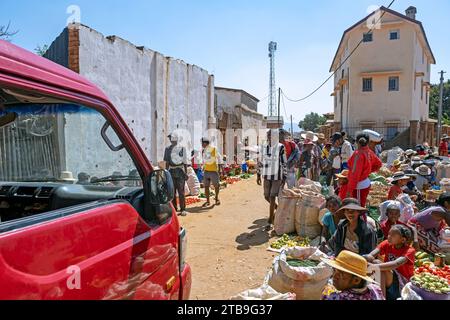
{"type": "Point", "coordinates": [74, 49]}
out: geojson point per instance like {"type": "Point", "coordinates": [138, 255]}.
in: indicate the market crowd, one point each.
{"type": "Point", "coordinates": [356, 243]}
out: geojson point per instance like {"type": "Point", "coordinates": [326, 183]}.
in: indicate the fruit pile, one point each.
{"type": "Point", "coordinates": [233, 180]}
{"type": "Point", "coordinates": [290, 241]}
{"type": "Point", "coordinates": [431, 283]}
{"type": "Point", "coordinates": [246, 176]}
{"type": "Point", "coordinates": [192, 200]}
{"type": "Point", "coordinates": [422, 259]}
{"type": "Point", "coordinates": [443, 273]}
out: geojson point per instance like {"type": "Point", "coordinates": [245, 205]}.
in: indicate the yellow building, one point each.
{"type": "Point", "coordinates": [384, 85]}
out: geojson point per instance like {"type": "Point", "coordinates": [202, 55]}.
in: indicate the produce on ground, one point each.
{"type": "Point", "coordinates": [301, 263]}
{"type": "Point", "coordinates": [385, 172]}
{"type": "Point", "coordinates": [246, 176]}
{"type": "Point", "coordinates": [431, 283]}
{"type": "Point", "coordinates": [378, 194]}
{"type": "Point", "coordinates": [290, 241]}
{"type": "Point", "coordinates": [192, 200]}
{"type": "Point", "coordinates": [378, 178]}
{"type": "Point", "coordinates": [203, 195]}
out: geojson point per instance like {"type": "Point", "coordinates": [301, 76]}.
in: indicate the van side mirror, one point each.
{"type": "Point", "coordinates": [160, 185]}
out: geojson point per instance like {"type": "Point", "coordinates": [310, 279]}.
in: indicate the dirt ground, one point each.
{"type": "Point", "coordinates": [227, 243]}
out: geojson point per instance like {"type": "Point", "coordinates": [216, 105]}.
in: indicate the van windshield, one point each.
{"type": "Point", "coordinates": [61, 142]}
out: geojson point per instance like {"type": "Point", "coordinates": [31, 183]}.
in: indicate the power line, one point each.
{"type": "Point", "coordinates": [284, 106]}
{"type": "Point", "coordinates": [342, 63]}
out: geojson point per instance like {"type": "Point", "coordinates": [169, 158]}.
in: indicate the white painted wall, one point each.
{"type": "Point", "coordinates": [154, 94]}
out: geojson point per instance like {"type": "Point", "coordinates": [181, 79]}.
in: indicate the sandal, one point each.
{"type": "Point", "coordinates": [217, 202]}
{"type": "Point", "coordinates": [206, 204]}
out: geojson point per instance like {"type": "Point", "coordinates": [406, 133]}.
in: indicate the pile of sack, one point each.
{"type": "Point", "coordinates": [298, 210]}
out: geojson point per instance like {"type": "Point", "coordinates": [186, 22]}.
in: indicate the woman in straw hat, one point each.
{"type": "Point", "coordinates": [353, 233]}
{"type": "Point", "coordinates": [399, 181]}
{"type": "Point", "coordinates": [351, 280]}
{"type": "Point", "coordinates": [423, 178]}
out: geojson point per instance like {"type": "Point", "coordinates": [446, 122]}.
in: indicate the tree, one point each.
{"type": "Point", "coordinates": [312, 122]}
{"type": "Point", "coordinates": [41, 50]}
{"type": "Point", "coordinates": [6, 33]}
{"type": "Point", "coordinates": [434, 102]}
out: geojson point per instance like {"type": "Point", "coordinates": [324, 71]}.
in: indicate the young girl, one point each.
{"type": "Point", "coordinates": [342, 180]}
{"type": "Point", "coordinates": [332, 218]}
{"type": "Point", "coordinates": [400, 180]}
{"type": "Point", "coordinates": [397, 264]}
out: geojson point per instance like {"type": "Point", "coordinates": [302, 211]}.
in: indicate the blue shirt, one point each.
{"type": "Point", "coordinates": [328, 222]}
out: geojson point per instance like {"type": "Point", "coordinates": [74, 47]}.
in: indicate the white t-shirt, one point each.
{"type": "Point", "coordinates": [346, 151]}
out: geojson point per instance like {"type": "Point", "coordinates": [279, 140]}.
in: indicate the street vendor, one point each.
{"type": "Point", "coordinates": [332, 217]}
{"type": "Point", "coordinates": [210, 157]}
{"type": "Point", "coordinates": [396, 166]}
{"type": "Point", "coordinates": [423, 181]}
{"type": "Point", "coordinates": [362, 163]}
{"type": "Point", "coordinates": [351, 280]}
{"type": "Point", "coordinates": [307, 160]}
{"type": "Point", "coordinates": [334, 161]}
{"type": "Point", "coordinates": [292, 156]}
{"type": "Point", "coordinates": [397, 266]}
{"type": "Point", "coordinates": [353, 233]}
{"type": "Point", "coordinates": [399, 181]}
{"type": "Point", "coordinates": [430, 222]}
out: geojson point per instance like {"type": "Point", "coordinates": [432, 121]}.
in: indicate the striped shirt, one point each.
{"type": "Point", "coordinates": [273, 160]}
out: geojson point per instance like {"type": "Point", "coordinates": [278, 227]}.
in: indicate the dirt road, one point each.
{"type": "Point", "coordinates": [227, 244]}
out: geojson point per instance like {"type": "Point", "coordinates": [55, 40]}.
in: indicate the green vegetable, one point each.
{"type": "Point", "coordinates": [302, 263]}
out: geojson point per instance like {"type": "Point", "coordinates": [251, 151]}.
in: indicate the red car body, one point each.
{"type": "Point", "coordinates": [98, 251]}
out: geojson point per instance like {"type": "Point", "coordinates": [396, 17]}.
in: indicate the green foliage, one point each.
{"type": "Point", "coordinates": [434, 102]}
{"type": "Point", "coordinates": [41, 50]}
{"type": "Point", "coordinates": [312, 122]}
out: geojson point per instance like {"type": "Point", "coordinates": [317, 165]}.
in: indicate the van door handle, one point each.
{"type": "Point", "coordinates": [170, 283]}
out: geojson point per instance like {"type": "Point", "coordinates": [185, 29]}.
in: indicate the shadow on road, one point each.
{"type": "Point", "coordinates": [254, 238]}
{"type": "Point", "coordinates": [200, 209]}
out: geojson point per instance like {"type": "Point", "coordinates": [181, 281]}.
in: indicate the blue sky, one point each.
{"type": "Point", "coordinates": [230, 38]}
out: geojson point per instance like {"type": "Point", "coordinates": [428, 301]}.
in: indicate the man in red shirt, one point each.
{"type": "Point", "coordinates": [443, 147]}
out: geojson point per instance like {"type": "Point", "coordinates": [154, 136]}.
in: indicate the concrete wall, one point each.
{"type": "Point", "coordinates": [382, 54]}
{"type": "Point", "coordinates": [154, 94]}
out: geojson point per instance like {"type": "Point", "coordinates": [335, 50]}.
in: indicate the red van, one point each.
{"type": "Point", "coordinates": [83, 214]}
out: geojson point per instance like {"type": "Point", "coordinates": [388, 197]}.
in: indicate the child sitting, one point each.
{"type": "Point", "coordinates": [342, 180]}
{"type": "Point", "coordinates": [399, 181]}
{"type": "Point", "coordinates": [393, 212]}
{"type": "Point", "coordinates": [397, 265]}
{"type": "Point", "coordinates": [332, 218]}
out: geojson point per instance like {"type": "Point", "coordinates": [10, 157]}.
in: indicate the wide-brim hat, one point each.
{"type": "Point", "coordinates": [410, 152]}
{"type": "Point", "coordinates": [399, 176]}
{"type": "Point", "coordinates": [397, 163]}
{"type": "Point", "coordinates": [309, 135]}
{"type": "Point", "coordinates": [423, 170]}
{"type": "Point", "coordinates": [352, 206]}
{"type": "Point", "coordinates": [67, 176]}
{"type": "Point", "coordinates": [350, 262]}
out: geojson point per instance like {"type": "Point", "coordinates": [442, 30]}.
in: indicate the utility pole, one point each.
{"type": "Point", "coordinates": [279, 100]}
{"type": "Point", "coordinates": [292, 128]}
{"type": "Point", "coordinates": [272, 87]}
{"type": "Point", "coordinates": [441, 100]}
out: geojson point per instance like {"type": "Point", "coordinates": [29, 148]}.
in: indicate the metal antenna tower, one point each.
{"type": "Point", "coordinates": [272, 88]}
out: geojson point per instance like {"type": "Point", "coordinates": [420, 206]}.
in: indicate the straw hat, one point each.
{"type": "Point", "coordinates": [423, 170]}
{"type": "Point", "coordinates": [397, 163]}
{"type": "Point", "coordinates": [350, 262]}
{"type": "Point", "coordinates": [309, 135]}
{"type": "Point", "coordinates": [410, 152]}
{"type": "Point", "coordinates": [352, 206]}
{"type": "Point", "coordinates": [399, 176]}
{"type": "Point", "coordinates": [343, 175]}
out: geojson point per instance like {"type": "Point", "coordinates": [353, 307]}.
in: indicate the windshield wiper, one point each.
{"type": "Point", "coordinates": [116, 178]}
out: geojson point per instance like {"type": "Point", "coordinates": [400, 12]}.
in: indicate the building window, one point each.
{"type": "Point", "coordinates": [367, 85]}
{"type": "Point", "coordinates": [394, 35]}
{"type": "Point", "coordinates": [426, 98]}
{"type": "Point", "coordinates": [368, 37]}
{"type": "Point", "coordinates": [421, 90]}
{"type": "Point", "coordinates": [392, 132]}
{"type": "Point", "coordinates": [394, 84]}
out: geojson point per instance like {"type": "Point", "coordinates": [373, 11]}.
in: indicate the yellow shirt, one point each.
{"type": "Point", "coordinates": [210, 159]}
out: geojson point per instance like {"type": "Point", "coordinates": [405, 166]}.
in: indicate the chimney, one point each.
{"type": "Point", "coordinates": [411, 12]}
